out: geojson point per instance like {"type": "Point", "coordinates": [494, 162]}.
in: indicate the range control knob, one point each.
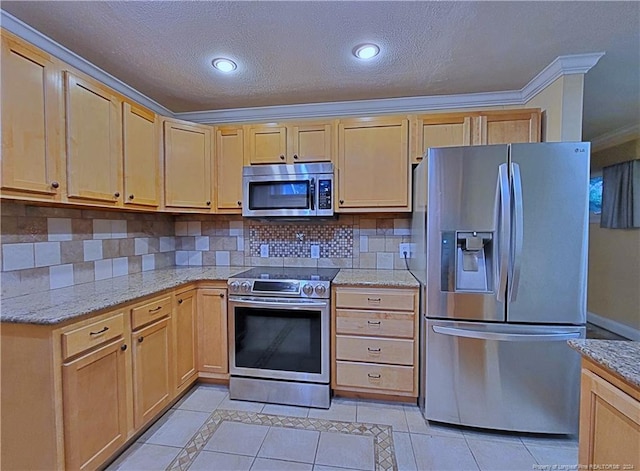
{"type": "Point", "coordinates": [307, 289]}
{"type": "Point", "coordinates": [321, 289]}
{"type": "Point", "coordinates": [245, 287]}
{"type": "Point", "coordinates": [234, 286]}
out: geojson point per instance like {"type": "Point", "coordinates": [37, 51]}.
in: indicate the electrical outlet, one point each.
{"type": "Point", "coordinates": [405, 248]}
{"type": "Point", "coordinates": [315, 251]}
{"type": "Point", "coordinates": [264, 250]}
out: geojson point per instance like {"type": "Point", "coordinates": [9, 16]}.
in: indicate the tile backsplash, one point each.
{"type": "Point", "coordinates": [46, 248]}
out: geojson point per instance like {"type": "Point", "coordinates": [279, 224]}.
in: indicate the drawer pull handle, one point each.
{"type": "Point", "coordinates": [372, 376]}
{"type": "Point", "coordinates": [156, 309]}
{"type": "Point", "coordinates": [373, 350]}
{"type": "Point", "coordinates": [101, 331]}
{"type": "Point", "coordinates": [373, 322]}
{"type": "Point", "coordinates": [373, 300]}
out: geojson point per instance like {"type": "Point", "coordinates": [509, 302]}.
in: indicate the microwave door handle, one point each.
{"type": "Point", "coordinates": [312, 194]}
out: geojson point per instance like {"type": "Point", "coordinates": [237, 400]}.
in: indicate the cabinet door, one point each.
{"type": "Point", "coordinates": [151, 371]}
{"type": "Point", "coordinates": [229, 163]}
{"type": "Point", "coordinates": [212, 331]}
{"type": "Point", "coordinates": [373, 165]}
{"type": "Point", "coordinates": [187, 157]}
{"type": "Point", "coordinates": [267, 144]}
{"type": "Point", "coordinates": [94, 137]}
{"type": "Point", "coordinates": [506, 127]}
{"type": "Point", "coordinates": [440, 130]}
{"type": "Point", "coordinates": [311, 143]}
{"type": "Point", "coordinates": [31, 117]}
{"type": "Point", "coordinates": [94, 406]}
{"type": "Point", "coordinates": [609, 424]}
{"type": "Point", "coordinates": [185, 338]}
{"type": "Point", "coordinates": [141, 149]}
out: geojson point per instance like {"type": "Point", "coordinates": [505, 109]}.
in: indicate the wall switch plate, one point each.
{"type": "Point", "coordinates": [315, 251]}
{"type": "Point", "coordinates": [402, 248]}
{"type": "Point", "coordinates": [264, 250]}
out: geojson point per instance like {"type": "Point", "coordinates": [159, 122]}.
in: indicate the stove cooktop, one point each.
{"type": "Point", "coordinates": [294, 282]}
{"type": "Point", "coordinates": [289, 273]}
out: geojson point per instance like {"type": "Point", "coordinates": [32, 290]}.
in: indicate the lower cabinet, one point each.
{"type": "Point", "coordinates": [151, 370]}
{"type": "Point", "coordinates": [609, 423]}
{"type": "Point", "coordinates": [185, 339]}
{"type": "Point", "coordinates": [375, 341]}
{"type": "Point", "coordinates": [213, 356]}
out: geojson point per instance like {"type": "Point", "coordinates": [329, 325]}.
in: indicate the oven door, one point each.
{"type": "Point", "coordinates": [279, 195]}
{"type": "Point", "coordinates": [279, 338]}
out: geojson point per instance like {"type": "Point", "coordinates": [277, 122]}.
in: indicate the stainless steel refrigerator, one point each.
{"type": "Point", "coordinates": [500, 236]}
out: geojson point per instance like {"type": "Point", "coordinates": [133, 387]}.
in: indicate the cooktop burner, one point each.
{"type": "Point", "coordinates": [284, 282]}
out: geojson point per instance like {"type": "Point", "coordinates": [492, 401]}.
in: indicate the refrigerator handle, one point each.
{"type": "Point", "coordinates": [500, 336]}
{"type": "Point", "coordinates": [516, 239]}
{"type": "Point", "coordinates": [504, 203]}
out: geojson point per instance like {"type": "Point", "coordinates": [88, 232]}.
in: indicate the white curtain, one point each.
{"type": "Point", "coordinates": [621, 196]}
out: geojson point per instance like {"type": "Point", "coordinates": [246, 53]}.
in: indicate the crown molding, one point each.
{"type": "Point", "coordinates": [561, 65]}
{"type": "Point", "coordinates": [26, 32]}
{"type": "Point", "coordinates": [615, 137]}
{"type": "Point", "coordinates": [354, 108]}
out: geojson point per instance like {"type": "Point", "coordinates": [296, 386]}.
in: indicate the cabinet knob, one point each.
{"type": "Point", "coordinates": [282, 157]}
{"type": "Point", "coordinates": [341, 201]}
{"type": "Point", "coordinates": [140, 339]}
{"type": "Point", "coordinates": [239, 203]}
{"type": "Point", "coordinates": [295, 156]}
{"type": "Point", "coordinates": [123, 347]}
{"type": "Point", "coordinates": [179, 301]}
{"type": "Point", "coordinates": [131, 197]}
{"type": "Point", "coordinates": [222, 295]}
{"type": "Point", "coordinates": [55, 184]}
{"type": "Point", "coordinates": [208, 203]}
{"type": "Point", "coordinates": [117, 194]}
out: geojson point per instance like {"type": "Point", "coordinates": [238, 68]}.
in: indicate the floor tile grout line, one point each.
{"type": "Point", "coordinates": [473, 455]}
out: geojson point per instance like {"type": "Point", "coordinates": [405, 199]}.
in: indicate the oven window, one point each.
{"type": "Point", "coordinates": [279, 195]}
{"type": "Point", "coordinates": [278, 339]}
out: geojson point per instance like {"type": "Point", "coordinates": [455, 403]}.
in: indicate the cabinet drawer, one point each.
{"type": "Point", "coordinates": [84, 338]}
{"type": "Point", "coordinates": [151, 311]}
{"type": "Point", "coordinates": [374, 350]}
{"type": "Point", "coordinates": [370, 375]}
{"type": "Point", "coordinates": [384, 324]}
{"type": "Point", "coordinates": [402, 300]}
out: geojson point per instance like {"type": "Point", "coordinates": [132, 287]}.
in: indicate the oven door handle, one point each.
{"type": "Point", "coordinates": [276, 304]}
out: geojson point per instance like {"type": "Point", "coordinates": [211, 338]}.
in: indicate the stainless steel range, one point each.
{"type": "Point", "coordinates": [279, 323]}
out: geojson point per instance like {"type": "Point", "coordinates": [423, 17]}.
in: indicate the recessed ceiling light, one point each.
{"type": "Point", "coordinates": [224, 65]}
{"type": "Point", "coordinates": [366, 51]}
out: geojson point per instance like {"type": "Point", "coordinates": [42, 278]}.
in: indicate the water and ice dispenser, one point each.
{"type": "Point", "coordinates": [467, 261]}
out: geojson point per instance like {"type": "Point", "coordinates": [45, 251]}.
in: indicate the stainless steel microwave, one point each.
{"type": "Point", "coordinates": [287, 190]}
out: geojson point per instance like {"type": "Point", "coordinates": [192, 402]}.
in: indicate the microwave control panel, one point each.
{"type": "Point", "coordinates": [324, 194]}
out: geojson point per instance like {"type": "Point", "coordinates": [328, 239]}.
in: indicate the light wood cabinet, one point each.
{"type": "Point", "coordinates": [508, 126]}
{"type": "Point", "coordinates": [213, 357]}
{"type": "Point", "coordinates": [187, 165]}
{"type": "Point", "coordinates": [609, 421]}
{"type": "Point", "coordinates": [184, 339]}
{"type": "Point", "coordinates": [229, 160]}
{"type": "Point", "coordinates": [151, 370]}
{"type": "Point", "coordinates": [290, 143]}
{"type": "Point", "coordinates": [374, 346]}
{"type": "Point", "coordinates": [439, 130]}
{"type": "Point", "coordinates": [95, 405]}
{"type": "Point", "coordinates": [31, 122]}
{"type": "Point", "coordinates": [94, 142]}
{"type": "Point", "coordinates": [141, 156]}
{"type": "Point", "coordinates": [373, 165]}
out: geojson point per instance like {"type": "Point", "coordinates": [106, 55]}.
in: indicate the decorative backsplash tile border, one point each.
{"type": "Point", "coordinates": [296, 240]}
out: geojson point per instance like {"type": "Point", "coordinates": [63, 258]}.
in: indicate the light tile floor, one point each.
{"type": "Point", "coordinates": [419, 445]}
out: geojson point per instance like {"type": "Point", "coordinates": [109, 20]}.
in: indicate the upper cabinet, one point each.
{"type": "Point", "coordinates": [229, 160]}
{"type": "Point", "coordinates": [31, 122]}
{"type": "Point", "coordinates": [290, 143]}
{"type": "Point", "coordinates": [373, 165]}
{"type": "Point", "coordinates": [94, 141]}
{"type": "Point", "coordinates": [187, 165]}
{"type": "Point", "coordinates": [509, 126]}
{"type": "Point", "coordinates": [439, 130]}
{"type": "Point", "coordinates": [141, 156]}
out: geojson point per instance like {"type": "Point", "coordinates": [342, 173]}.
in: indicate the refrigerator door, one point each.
{"type": "Point", "coordinates": [500, 376]}
{"type": "Point", "coordinates": [467, 232]}
{"type": "Point", "coordinates": [548, 267]}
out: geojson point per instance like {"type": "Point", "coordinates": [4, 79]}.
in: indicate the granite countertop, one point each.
{"type": "Point", "coordinates": [377, 278]}
{"type": "Point", "coordinates": [63, 304]}
{"type": "Point", "coordinates": [617, 356]}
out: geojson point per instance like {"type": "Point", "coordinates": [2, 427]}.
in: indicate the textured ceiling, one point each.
{"type": "Point", "coordinates": [300, 52]}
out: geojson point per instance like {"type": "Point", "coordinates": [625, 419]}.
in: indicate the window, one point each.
{"type": "Point", "coordinates": [595, 196]}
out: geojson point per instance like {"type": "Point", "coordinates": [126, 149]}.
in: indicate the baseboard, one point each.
{"type": "Point", "coordinates": [614, 326]}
